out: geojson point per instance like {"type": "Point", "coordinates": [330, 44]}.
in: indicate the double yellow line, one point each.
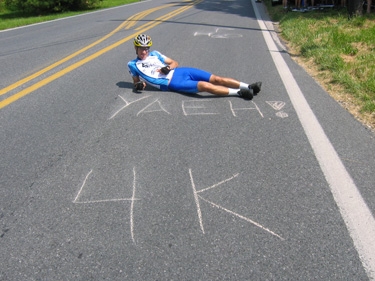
{"type": "Point", "coordinates": [130, 22]}
{"type": "Point", "coordinates": [126, 24]}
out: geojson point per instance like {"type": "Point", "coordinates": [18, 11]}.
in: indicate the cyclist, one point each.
{"type": "Point", "coordinates": [163, 73]}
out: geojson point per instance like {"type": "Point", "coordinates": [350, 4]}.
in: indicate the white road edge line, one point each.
{"type": "Point", "coordinates": [354, 210]}
{"type": "Point", "coordinates": [132, 207]}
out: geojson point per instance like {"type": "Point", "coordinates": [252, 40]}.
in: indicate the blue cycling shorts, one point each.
{"type": "Point", "coordinates": [185, 79]}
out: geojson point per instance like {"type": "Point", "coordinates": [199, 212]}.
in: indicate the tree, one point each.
{"type": "Point", "coordinates": [355, 8]}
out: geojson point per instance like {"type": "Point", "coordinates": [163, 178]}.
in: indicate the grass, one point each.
{"type": "Point", "coordinates": [10, 19]}
{"type": "Point", "coordinates": [338, 52]}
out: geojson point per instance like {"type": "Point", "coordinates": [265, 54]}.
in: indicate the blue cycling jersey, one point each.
{"type": "Point", "coordinates": [182, 79]}
{"type": "Point", "coordinates": [147, 70]}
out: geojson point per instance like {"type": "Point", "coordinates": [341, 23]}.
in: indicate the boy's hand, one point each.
{"type": "Point", "coordinates": [139, 86]}
{"type": "Point", "coordinates": [165, 70]}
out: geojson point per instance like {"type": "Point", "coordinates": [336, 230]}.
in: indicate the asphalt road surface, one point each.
{"type": "Point", "coordinates": [101, 183]}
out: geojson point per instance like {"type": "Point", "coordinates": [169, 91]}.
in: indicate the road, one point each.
{"type": "Point", "coordinates": [100, 183]}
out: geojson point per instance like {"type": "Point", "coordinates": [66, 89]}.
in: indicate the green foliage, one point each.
{"type": "Point", "coordinates": [49, 6]}
{"type": "Point", "coordinates": [348, 49]}
{"type": "Point", "coordinates": [14, 18]}
{"type": "Point", "coordinates": [343, 50]}
{"type": "Point", "coordinates": [358, 21]}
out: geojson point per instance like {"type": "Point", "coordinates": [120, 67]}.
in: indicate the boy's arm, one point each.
{"type": "Point", "coordinates": [170, 64]}
{"type": "Point", "coordinates": [138, 85]}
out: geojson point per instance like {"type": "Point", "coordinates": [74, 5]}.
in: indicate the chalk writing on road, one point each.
{"type": "Point", "coordinates": [278, 105]}
{"type": "Point", "coordinates": [132, 200]}
{"type": "Point", "coordinates": [198, 197]}
{"type": "Point", "coordinates": [197, 106]}
{"type": "Point", "coordinates": [219, 33]}
{"type": "Point", "coordinates": [197, 194]}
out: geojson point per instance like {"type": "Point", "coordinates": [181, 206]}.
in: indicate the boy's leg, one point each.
{"type": "Point", "coordinates": [234, 84]}
{"type": "Point", "coordinates": [224, 81]}
{"type": "Point", "coordinates": [192, 80]}
{"type": "Point", "coordinates": [212, 88]}
{"type": "Point", "coordinates": [247, 93]}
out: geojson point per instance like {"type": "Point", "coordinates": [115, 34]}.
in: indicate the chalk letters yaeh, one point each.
{"type": "Point", "coordinates": [193, 107]}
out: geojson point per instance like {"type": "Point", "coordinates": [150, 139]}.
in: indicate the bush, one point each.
{"type": "Point", "coordinates": [49, 6]}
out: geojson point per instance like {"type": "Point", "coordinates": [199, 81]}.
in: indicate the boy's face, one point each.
{"type": "Point", "coordinates": [142, 52]}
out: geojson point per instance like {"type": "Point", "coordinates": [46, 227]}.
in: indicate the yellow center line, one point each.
{"type": "Point", "coordinates": [128, 22]}
{"type": "Point", "coordinates": [168, 16]}
{"type": "Point", "coordinates": [132, 21]}
{"type": "Point", "coordinates": [70, 68]}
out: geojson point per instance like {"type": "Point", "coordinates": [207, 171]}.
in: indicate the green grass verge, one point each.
{"type": "Point", "coordinates": [9, 19]}
{"type": "Point", "coordinates": [341, 49]}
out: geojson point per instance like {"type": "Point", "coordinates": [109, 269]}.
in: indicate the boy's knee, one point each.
{"type": "Point", "coordinates": [214, 79]}
{"type": "Point", "coordinates": [204, 86]}
{"type": "Point", "coordinates": [218, 80]}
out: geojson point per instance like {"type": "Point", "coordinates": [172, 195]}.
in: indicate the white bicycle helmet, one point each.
{"type": "Point", "coordinates": [142, 40]}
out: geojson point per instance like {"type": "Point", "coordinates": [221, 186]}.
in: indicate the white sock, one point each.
{"type": "Point", "coordinates": [233, 92]}
{"type": "Point", "coordinates": [244, 85]}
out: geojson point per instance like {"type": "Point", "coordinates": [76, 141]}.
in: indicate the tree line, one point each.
{"type": "Point", "coordinates": [38, 7]}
